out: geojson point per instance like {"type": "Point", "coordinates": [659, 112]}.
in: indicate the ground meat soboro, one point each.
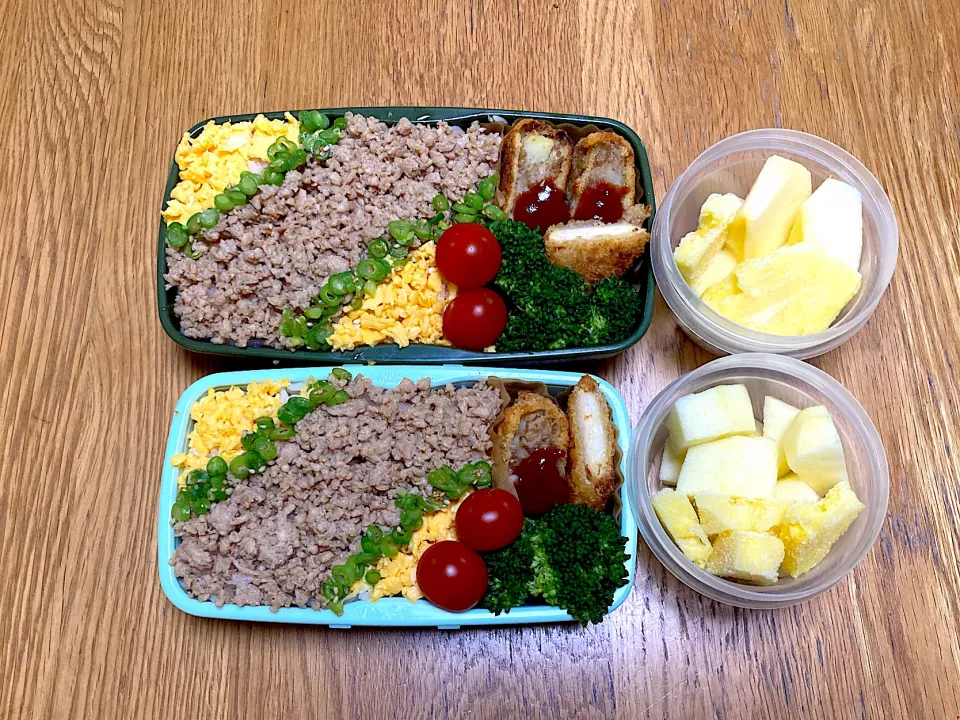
{"type": "Point", "coordinates": [275, 539]}
{"type": "Point", "coordinates": [279, 249]}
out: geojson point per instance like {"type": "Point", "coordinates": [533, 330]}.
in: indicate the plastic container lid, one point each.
{"type": "Point", "coordinates": [801, 385]}
{"type": "Point", "coordinates": [731, 166]}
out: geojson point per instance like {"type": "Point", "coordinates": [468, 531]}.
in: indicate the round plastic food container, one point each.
{"type": "Point", "coordinates": [731, 166]}
{"type": "Point", "coordinates": [801, 385]}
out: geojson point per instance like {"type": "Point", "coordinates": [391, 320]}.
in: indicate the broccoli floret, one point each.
{"type": "Point", "coordinates": [551, 307]}
{"type": "Point", "coordinates": [509, 574]}
{"type": "Point", "coordinates": [573, 556]}
{"type": "Point", "coordinates": [578, 560]}
{"type": "Point", "coordinates": [614, 311]}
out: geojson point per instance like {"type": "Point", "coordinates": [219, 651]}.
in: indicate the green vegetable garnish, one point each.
{"type": "Point", "coordinates": [328, 297]}
{"type": "Point", "coordinates": [193, 224]}
{"type": "Point", "coordinates": [372, 577]}
{"type": "Point", "coordinates": [573, 557]}
{"type": "Point", "coordinates": [342, 374]}
{"type": "Point", "coordinates": [477, 474]}
{"type": "Point", "coordinates": [180, 512]}
{"type": "Point", "coordinates": [552, 307]}
{"type": "Point", "coordinates": [377, 249]}
{"type": "Point", "coordinates": [177, 235]}
{"type": "Point", "coordinates": [216, 466]}
{"type": "Point", "coordinates": [236, 195]}
{"type": "Point", "coordinates": [440, 203]}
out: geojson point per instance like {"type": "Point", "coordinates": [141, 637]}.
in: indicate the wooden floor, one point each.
{"type": "Point", "coordinates": [96, 95]}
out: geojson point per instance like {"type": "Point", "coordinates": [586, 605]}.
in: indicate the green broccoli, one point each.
{"type": "Point", "coordinates": [573, 557]}
{"type": "Point", "coordinates": [551, 307]}
{"type": "Point", "coordinates": [509, 574]}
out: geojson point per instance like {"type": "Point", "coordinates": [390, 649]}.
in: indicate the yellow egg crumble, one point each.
{"type": "Point", "coordinates": [221, 418]}
{"type": "Point", "coordinates": [407, 309]}
{"type": "Point", "coordinates": [398, 575]}
{"type": "Point", "coordinates": [216, 157]}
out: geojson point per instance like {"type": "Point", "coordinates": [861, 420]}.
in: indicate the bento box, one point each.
{"type": "Point", "coordinates": [386, 611]}
{"type": "Point", "coordinates": [635, 270]}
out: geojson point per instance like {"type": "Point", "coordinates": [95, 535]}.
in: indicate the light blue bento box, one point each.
{"type": "Point", "coordinates": [393, 611]}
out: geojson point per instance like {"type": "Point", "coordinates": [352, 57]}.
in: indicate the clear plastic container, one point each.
{"type": "Point", "coordinates": [731, 166]}
{"type": "Point", "coordinates": [801, 385]}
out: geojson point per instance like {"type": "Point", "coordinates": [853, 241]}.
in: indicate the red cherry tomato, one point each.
{"type": "Point", "coordinates": [468, 255]}
{"type": "Point", "coordinates": [475, 319]}
{"type": "Point", "coordinates": [489, 519]}
{"type": "Point", "coordinates": [452, 576]}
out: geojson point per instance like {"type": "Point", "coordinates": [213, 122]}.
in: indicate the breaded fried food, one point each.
{"type": "Point", "coordinates": [595, 250]}
{"type": "Point", "coordinates": [602, 157]}
{"type": "Point", "coordinates": [591, 475]}
{"type": "Point", "coordinates": [531, 422]}
{"type": "Point", "coordinates": [533, 150]}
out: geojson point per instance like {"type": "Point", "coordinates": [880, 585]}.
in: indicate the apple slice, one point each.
{"type": "Point", "coordinates": [777, 416]}
{"type": "Point", "coordinates": [832, 219]}
{"type": "Point", "coordinates": [766, 217]}
{"type": "Point", "coordinates": [813, 449]}
{"type": "Point", "coordinates": [719, 412]}
{"type": "Point", "coordinates": [739, 465]}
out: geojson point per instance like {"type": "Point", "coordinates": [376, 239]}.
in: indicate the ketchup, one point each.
{"type": "Point", "coordinates": [602, 201]}
{"type": "Point", "coordinates": [540, 484]}
{"type": "Point", "coordinates": [541, 206]}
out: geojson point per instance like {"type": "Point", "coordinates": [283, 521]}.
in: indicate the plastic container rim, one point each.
{"type": "Point", "coordinates": [391, 611]}
{"type": "Point", "coordinates": [421, 354]}
{"type": "Point", "coordinates": [729, 336]}
{"type": "Point", "coordinates": [655, 536]}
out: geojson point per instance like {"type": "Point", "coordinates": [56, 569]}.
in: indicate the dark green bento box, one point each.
{"type": "Point", "coordinates": [641, 275]}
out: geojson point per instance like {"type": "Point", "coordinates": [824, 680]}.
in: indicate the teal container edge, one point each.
{"type": "Point", "coordinates": [386, 612]}
{"type": "Point", "coordinates": [641, 275]}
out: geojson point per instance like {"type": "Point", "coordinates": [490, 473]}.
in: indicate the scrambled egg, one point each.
{"type": "Point", "coordinates": [215, 158]}
{"type": "Point", "coordinates": [220, 420]}
{"type": "Point", "coordinates": [398, 575]}
{"type": "Point", "coordinates": [407, 309]}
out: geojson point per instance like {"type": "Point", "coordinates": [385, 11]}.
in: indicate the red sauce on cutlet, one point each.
{"type": "Point", "coordinates": [541, 206]}
{"type": "Point", "coordinates": [602, 201]}
{"type": "Point", "coordinates": [540, 484]}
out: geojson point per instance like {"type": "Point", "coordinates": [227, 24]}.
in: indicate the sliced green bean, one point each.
{"type": "Point", "coordinates": [378, 248]}
{"type": "Point", "coordinates": [473, 201]}
{"type": "Point", "coordinates": [180, 512]}
{"type": "Point", "coordinates": [464, 217]}
{"type": "Point", "coordinates": [216, 466]}
{"type": "Point", "coordinates": [372, 577]}
{"type": "Point", "coordinates": [193, 224]}
{"type": "Point", "coordinates": [236, 195]}
{"type": "Point", "coordinates": [338, 398]}
{"type": "Point", "coordinates": [328, 297]}
{"type": "Point", "coordinates": [494, 213]}
{"type": "Point", "coordinates": [398, 251]}
{"type": "Point", "coordinates": [341, 374]}
{"type": "Point", "coordinates": [209, 218]}
{"type": "Point", "coordinates": [264, 447]}
{"type": "Point", "coordinates": [222, 202]}
{"type": "Point", "coordinates": [440, 203]}
{"type": "Point", "coordinates": [177, 235]}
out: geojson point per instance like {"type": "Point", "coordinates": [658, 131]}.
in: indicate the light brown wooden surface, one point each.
{"type": "Point", "coordinates": [95, 96]}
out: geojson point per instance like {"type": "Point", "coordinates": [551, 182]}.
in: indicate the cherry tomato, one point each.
{"type": "Point", "coordinates": [489, 519]}
{"type": "Point", "coordinates": [475, 319]}
{"type": "Point", "coordinates": [468, 255]}
{"type": "Point", "coordinates": [452, 576]}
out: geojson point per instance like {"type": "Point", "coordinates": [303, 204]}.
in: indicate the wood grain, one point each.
{"type": "Point", "coordinates": [96, 94]}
